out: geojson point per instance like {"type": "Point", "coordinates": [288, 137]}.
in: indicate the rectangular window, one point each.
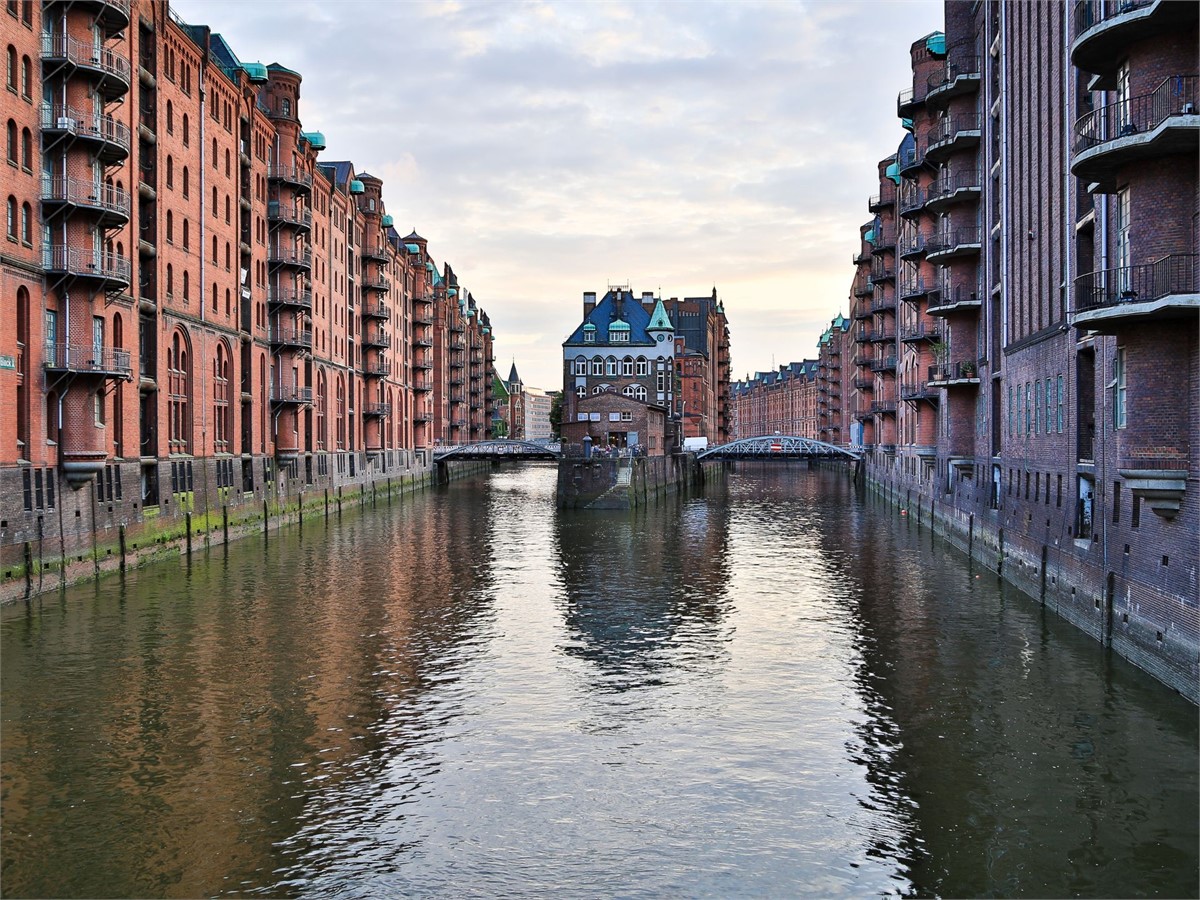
{"type": "Point", "coordinates": [1119, 389]}
{"type": "Point", "coordinates": [1060, 404]}
{"type": "Point", "coordinates": [1116, 502]}
{"type": "Point", "coordinates": [589, 337]}
{"type": "Point", "coordinates": [1028, 408]}
{"type": "Point", "coordinates": [1037, 406]}
{"type": "Point", "coordinates": [1010, 411]}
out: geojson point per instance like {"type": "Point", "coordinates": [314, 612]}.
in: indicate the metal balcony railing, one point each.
{"type": "Point", "coordinates": [104, 61]}
{"type": "Point", "coordinates": [963, 67]}
{"type": "Point", "coordinates": [285, 296]}
{"type": "Point", "coordinates": [87, 263]}
{"type": "Point", "coordinates": [1174, 274]}
{"type": "Point", "coordinates": [289, 214]}
{"type": "Point", "coordinates": [291, 337]}
{"type": "Point", "coordinates": [952, 184]}
{"type": "Point", "coordinates": [377, 310]}
{"type": "Point", "coordinates": [290, 175]}
{"type": "Point", "coordinates": [290, 393]}
{"type": "Point", "coordinates": [290, 256]}
{"type": "Point", "coordinates": [91, 126]}
{"type": "Point", "coordinates": [80, 192]}
{"type": "Point", "coordinates": [948, 240]}
{"type": "Point", "coordinates": [377, 409]}
{"type": "Point", "coordinates": [1090, 13]}
{"type": "Point", "coordinates": [1176, 96]}
{"type": "Point", "coordinates": [86, 358]}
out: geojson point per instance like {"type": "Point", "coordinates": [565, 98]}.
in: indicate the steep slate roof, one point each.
{"type": "Point", "coordinates": [604, 314]}
{"type": "Point", "coordinates": [341, 171]}
{"type": "Point", "coordinates": [513, 377]}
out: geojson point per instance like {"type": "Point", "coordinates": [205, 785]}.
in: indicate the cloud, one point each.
{"type": "Point", "coordinates": [546, 148]}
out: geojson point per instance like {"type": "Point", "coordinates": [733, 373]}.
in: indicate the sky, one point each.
{"type": "Point", "coordinates": [545, 149]}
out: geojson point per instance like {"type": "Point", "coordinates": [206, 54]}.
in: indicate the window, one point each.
{"type": "Point", "coordinates": [636, 391]}
{"type": "Point", "coordinates": [619, 337]}
{"type": "Point", "coordinates": [178, 393]}
{"type": "Point", "coordinates": [170, 172]}
{"type": "Point", "coordinates": [26, 78]}
{"type": "Point", "coordinates": [627, 366]}
{"type": "Point", "coordinates": [12, 142]}
{"type": "Point", "coordinates": [1028, 407]}
{"type": "Point", "coordinates": [1119, 389]}
{"type": "Point", "coordinates": [186, 134]}
{"type": "Point", "coordinates": [12, 218]}
{"type": "Point", "coordinates": [589, 337]}
{"type": "Point", "coordinates": [186, 244]}
{"type": "Point", "coordinates": [12, 68]}
{"type": "Point", "coordinates": [186, 182]}
{"type": "Point", "coordinates": [1037, 406]}
{"type": "Point", "coordinates": [27, 150]}
{"type": "Point", "coordinates": [1060, 404]}
{"type": "Point", "coordinates": [610, 366]}
{"type": "Point", "coordinates": [581, 391]}
{"type": "Point", "coordinates": [598, 366]}
{"type": "Point", "coordinates": [186, 292]}
{"type": "Point", "coordinates": [170, 227]}
{"type": "Point", "coordinates": [286, 106]}
{"type": "Point", "coordinates": [626, 416]}
{"type": "Point", "coordinates": [643, 366]}
{"type": "Point", "coordinates": [580, 365]}
{"type": "Point", "coordinates": [221, 417]}
{"type": "Point", "coordinates": [170, 117]}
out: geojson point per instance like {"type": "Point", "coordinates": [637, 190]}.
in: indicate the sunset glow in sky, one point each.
{"type": "Point", "coordinates": [547, 149]}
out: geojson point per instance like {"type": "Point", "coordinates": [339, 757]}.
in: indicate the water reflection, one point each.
{"type": "Point", "coordinates": [770, 689]}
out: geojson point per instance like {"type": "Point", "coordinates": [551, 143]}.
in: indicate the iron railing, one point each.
{"type": "Point", "coordinates": [290, 175]}
{"type": "Point", "coordinates": [1176, 96]}
{"type": "Point", "coordinates": [963, 235]}
{"type": "Point", "coordinates": [1090, 13]}
{"type": "Point", "coordinates": [86, 55]}
{"type": "Point", "coordinates": [86, 263]}
{"type": "Point", "coordinates": [88, 358]}
{"type": "Point", "coordinates": [83, 192]}
{"type": "Point", "coordinates": [1174, 274]}
{"type": "Point", "coordinates": [96, 126]}
{"type": "Point", "coordinates": [290, 393]}
{"type": "Point", "coordinates": [963, 67]}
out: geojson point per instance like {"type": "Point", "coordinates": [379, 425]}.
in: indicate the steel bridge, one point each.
{"type": "Point", "coordinates": [777, 446]}
{"type": "Point", "coordinates": [497, 450]}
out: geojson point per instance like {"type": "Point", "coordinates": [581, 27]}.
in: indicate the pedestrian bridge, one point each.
{"type": "Point", "coordinates": [776, 446]}
{"type": "Point", "coordinates": [498, 449]}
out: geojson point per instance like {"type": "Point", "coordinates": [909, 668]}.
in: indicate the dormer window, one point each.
{"type": "Point", "coordinates": [589, 337]}
{"type": "Point", "coordinates": [618, 337]}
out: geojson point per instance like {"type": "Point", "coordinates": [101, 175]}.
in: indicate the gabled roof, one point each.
{"type": "Point", "coordinates": [660, 321]}
{"type": "Point", "coordinates": [633, 318]}
{"type": "Point", "coordinates": [513, 377]}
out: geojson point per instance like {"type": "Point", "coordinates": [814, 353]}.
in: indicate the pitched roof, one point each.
{"type": "Point", "coordinates": [631, 317]}
{"type": "Point", "coordinates": [660, 320]}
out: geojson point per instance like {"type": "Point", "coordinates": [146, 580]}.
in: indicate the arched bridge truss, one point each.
{"type": "Point", "coordinates": [497, 450]}
{"type": "Point", "coordinates": [777, 446]}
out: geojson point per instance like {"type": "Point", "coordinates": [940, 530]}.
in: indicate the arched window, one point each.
{"type": "Point", "coordinates": [215, 244]}
{"type": "Point", "coordinates": [170, 172]}
{"type": "Point", "coordinates": [340, 412]}
{"type": "Point", "coordinates": [12, 68]}
{"type": "Point", "coordinates": [322, 409]}
{"type": "Point", "coordinates": [214, 297]}
{"type": "Point", "coordinates": [611, 367]}
{"type": "Point", "coordinates": [170, 117]}
{"type": "Point", "coordinates": [221, 415]}
{"type": "Point", "coordinates": [580, 365]}
{"type": "Point", "coordinates": [27, 224]}
{"type": "Point", "coordinates": [179, 393]}
{"type": "Point", "coordinates": [598, 365]}
{"type": "Point", "coordinates": [170, 280]}
{"type": "Point", "coordinates": [226, 209]}
{"type": "Point", "coordinates": [226, 162]}
{"type": "Point", "coordinates": [627, 366]}
{"type": "Point", "coordinates": [643, 367]}
{"type": "Point", "coordinates": [228, 302]}
{"type": "Point", "coordinates": [581, 391]}
{"type": "Point", "coordinates": [216, 157]}
{"type": "Point", "coordinates": [186, 134]}
{"type": "Point", "coordinates": [26, 78]}
{"type": "Point", "coordinates": [636, 391]}
{"type": "Point", "coordinates": [187, 294]}
{"type": "Point", "coordinates": [13, 131]}
{"type": "Point", "coordinates": [186, 181]}
{"type": "Point", "coordinates": [186, 242]}
{"type": "Point", "coordinates": [27, 150]}
{"type": "Point", "coordinates": [215, 208]}
{"type": "Point", "coordinates": [12, 218]}
{"type": "Point", "coordinates": [170, 227]}
{"type": "Point", "coordinates": [227, 256]}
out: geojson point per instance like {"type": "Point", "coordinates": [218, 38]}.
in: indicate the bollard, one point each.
{"type": "Point", "coordinates": [188, 519]}
{"type": "Point", "coordinates": [121, 541]}
{"type": "Point", "coordinates": [225, 521]}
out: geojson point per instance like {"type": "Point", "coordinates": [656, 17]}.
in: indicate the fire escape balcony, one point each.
{"type": "Point", "coordinates": [913, 391]}
{"type": "Point", "coordinates": [885, 241]}
{"type": "Point", "coordinates": [295, 298]}
{"type": "Point", "coordinates": [422, 384]}
{"type": "Point", "coordinates": [883, 364]}
{"type": "Point", "coordinates": [293, 176]}
{"type": "Point", "coordinates": [113, 272]}
{"type": "Point", "coordinates": [863, 288]}
{"type": "Point", "coordinates": [376, 310]}
{"type": "Point", "coordinates": [374, 410]}
{"type": "Point", "coordinates": [1105, 29]}
{"type": "Point", "coordinates": [376, 283]}
{"type": "Point", "coordinates": [909, 161]}
{"type": "Point", "coordinates": [912, 246]}
{"type": "Point", "coordinates": [908, 101]}
{"type": "Point", "coordinates": [423, 342]}
{"type": "Point", "coordinates": [381, 252]}
{"type": "Point", "coordinates": [86, 359]}
{"type": "Point", "coordinates": [108, 71]}
{"type": "Point", "coordinates": [863, 256]}
{"type": "Point", "coordinates": [1162, 123]}
{"type": "Point", "coordinates": [953, 134]}
{"type": "Point", "coordinates": [111, 15]}
{"type": "Point", "coordinates": [881, 201]}
{"type": "Point", "coordinates": [864, 383]}
{"type": "Point", "coordinates": [958, 77]}
{"type": "Point", "coordinates": [883, 304]}
{"type": "Point", "coordinates": [109, 205]}
{"type": "Point", "coordinates": [883, 407]}
{"type": "Point", "coordinates": [914, 332]}
{"type": "Point", "coordinates": [882, 271]}
{"type": "Point", "coordinates": [953, 243]}
{"type": "Point", "coordinates": [290, 338]}
{"type": "Point", "coordinates": [959, 187]}
{"type": "Point", "coordinates": [292, 257]}
{"type": "Point", "coordinates": [912, 200]}
{"type": "Point", "coordinates": [290, 395]}
{"type": "Point", "coordinates": [943, 301]}
{"type": "Point", "coordinates": [107, 137]}
{"type": "Point", "coordinates": [376, 337]}
{"type": "Point", "coordinates": [1110, 299]}
{"type": "Point", "coordinates": [293, 215]}
{"type": "Point", "coordinates": [377, 368]}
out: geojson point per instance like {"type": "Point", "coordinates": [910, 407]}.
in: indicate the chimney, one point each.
{"type": "Point", "coordinates": [648, 299]}
{"type": "Point", "coordinates": [589, 300]}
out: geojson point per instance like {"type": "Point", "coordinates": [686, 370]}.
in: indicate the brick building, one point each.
{"type": "Point", "coordinates": [781, 402]}
{"type": "Point", "coordinates": [702, 366]}
{"type": "Point", "coordinates": [1026, 305]}
{"type": "Point", "coordinates": [200, 303]}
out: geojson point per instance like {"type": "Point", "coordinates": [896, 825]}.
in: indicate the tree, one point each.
{"type": "Point", "coordinates": [556, 414]}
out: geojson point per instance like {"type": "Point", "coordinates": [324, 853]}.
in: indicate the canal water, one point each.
{"type": "Point", "coordinates": [777, 688]}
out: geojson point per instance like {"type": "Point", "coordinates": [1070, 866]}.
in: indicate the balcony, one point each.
{"type": "Point", "coordinates": [863, 288]}
{"type": "Point", "coordinates": [290, 395]}
{"type": "Point", "coordinates": [110, 205]}
{"type": "Point", "coordinates": [909, 161]}
{"type": "Point", "coordinates": [381, 253]}
{"type": "Point", "coordinates": [1104, 29]}
{"type": "Point", "coordinates": [864, 359]}
{"type": "Point", "coordinates": [964, 373]}
{"type": "Point", "coordinates": [296, 298]}
{"type": "Point", "coordinates": [884, 241]}
{"type": "Point", "coordinates": [883, 304]}
{"type": "Point", "coordinates": [376, 283]}
{"type": "Point", "coordinates": [958, 187]}
{"type": "Point", "coordinates": [954, 243]}
{"type": "Point", "coordinates": [376, 410]}
{"type": "Point", "coordinates": [111, 15]}
{"type": "Point", "coordinates": [912, 200]}
{"type": "Point", "coordinates": [912, 246]}
{"type": "Point", "coordinates": [864, 384]}
{"type": "Point", "coordinates": [952, 135]}
{"type": "Point", "coordinates": [422, 385]}
{"type": "Point", "coordinates": [881, 201]}
{"type": "Point", "coordinates": [108, 72]}
{"type": "Point", "coordinates": [913, 391]}
{"type": "Point", "coordinates": [1110, 299]}
{"type": "Point", "coordinates": [943, 302]}
{"type": "Point", "coordinates": [376, 337]}
{"type": "Point", "coordinates": [1164, 122]}
{"type": "Point", "coordinates": [294, 176]}
{"type": "Point", "coordinates": [422, 318]}
{"type": "Point", "coordinates": [108, 137]}
{"type": "Point", "coordinates": [914, 332]}
{"type": "Point", "coordinates": [86, 359]}
{"type": "Point", "coordinates": [883, 364]}
{"type": "Point", "coordinates": [376, 310]}
{"type": "Point", "coordinates": [293, 257]}
{"type": "Point", "coordinates": [883, 407]}
{"type": "Point", "coordinates": [882, 271]}
{"type": "Point", "coordinates": [908, 101]}
{"type": "Point", "coordinates": [111, 271]}
{"type": "Point", "coordinates": [377, 368]}
{"type": "Point", "coordinates": [298, 217]}
{"type": "Point", "coordinates": [285, 338]}
{"type": "Point", "coordinates": [863, 256]}
{"type": "Point", "coordinates": [958, 77]}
